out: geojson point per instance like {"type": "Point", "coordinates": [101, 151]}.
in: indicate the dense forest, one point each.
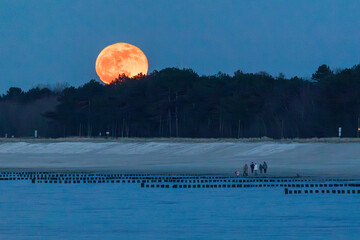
{"type": "Point", "coordinates": [179, 103]}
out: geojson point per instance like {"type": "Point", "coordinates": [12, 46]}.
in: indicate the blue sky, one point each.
{"type": "Point", "coordinates": [47, 41]}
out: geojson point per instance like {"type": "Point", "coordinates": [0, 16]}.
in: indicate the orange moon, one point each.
{"type": "Point", "coordinates": [120, 58]}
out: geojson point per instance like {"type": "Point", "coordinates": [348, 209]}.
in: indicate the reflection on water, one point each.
{"type": "Point", "coordinates": [126, 211]}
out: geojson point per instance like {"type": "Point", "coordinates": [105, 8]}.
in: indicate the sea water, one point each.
{"type": "Point", "coordinates": [127, 211]}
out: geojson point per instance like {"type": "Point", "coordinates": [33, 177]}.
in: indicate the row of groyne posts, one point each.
{"type": "Point", "coordinates": [294, 185]}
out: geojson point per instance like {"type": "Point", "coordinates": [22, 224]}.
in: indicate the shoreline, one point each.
{"type": "Point", "coordinates": [180, 140]}
{"type": "Point", "coordinates": [178, 174]}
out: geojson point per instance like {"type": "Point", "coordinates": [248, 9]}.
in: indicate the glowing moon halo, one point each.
{"type": "Point", "coordinates": [120, 58]}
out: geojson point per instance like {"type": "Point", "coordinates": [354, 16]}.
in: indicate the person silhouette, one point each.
{"type": "Point", "coordinates": [252, 165]}
{"type": "Point", "coordinates": [246, 170]}
{"type": "Point", "coordinates": [265, 167]}
{"type": "Point", "coordinates": [256, 168]}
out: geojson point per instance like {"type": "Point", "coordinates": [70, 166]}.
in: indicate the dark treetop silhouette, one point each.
{"type": "Point", "coordinates": [179, 103]}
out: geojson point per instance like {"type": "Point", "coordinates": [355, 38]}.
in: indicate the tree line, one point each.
{"type": "Point", "coordinates": [179, 103]}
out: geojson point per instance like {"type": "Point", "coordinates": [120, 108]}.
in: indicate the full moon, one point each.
{"type": "Point", "coordinates": [120, 58]}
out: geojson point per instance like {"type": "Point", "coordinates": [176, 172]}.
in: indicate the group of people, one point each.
{"type": "Point", "coordinates": [255, 168]}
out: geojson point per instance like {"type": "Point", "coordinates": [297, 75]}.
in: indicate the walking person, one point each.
{"type": "Point", "coordinates": [256, 168]}
{"type": "Point", "coordinates": [265, 166]}
{"type": "Point", "coordinates": [261, 168]}
{"type": "Point", "coordinates": [246, 170]}
{"type": "Point", "coordinates": [252, 165]}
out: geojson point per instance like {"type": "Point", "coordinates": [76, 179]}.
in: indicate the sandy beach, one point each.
{"type": "Point", "coordinates": [183, 156]}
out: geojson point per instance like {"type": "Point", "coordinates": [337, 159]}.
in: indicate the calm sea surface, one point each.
{"type": "Point", "coordinates": [126, 211]}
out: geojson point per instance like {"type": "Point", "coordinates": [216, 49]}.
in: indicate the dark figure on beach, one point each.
{"type": "Point", "coordinates": [252, 165]}
{"type": "Point", "coordinates": [261, 168]}
{"type": "Point", "coordinates": [246, 170]}
{"type": "Point", "coordinates": [265, 167]}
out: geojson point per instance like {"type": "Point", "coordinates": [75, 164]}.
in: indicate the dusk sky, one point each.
{"type": "Point", "coordinates": [45, 42]}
